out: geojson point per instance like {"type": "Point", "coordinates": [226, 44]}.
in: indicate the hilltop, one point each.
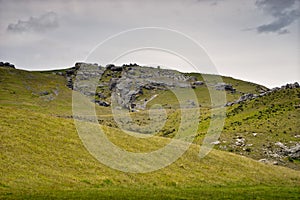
{"type": "Point", "coordinates": [42, 155]}
{"type": "Point", "coordinates": [256, 124]}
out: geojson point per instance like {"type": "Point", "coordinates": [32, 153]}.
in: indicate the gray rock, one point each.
{"type": "Point", "coordinates": [89, 93]}
{"type": "Point", "coordinates": [196, 83]}
{"type": "Point", "coordinates": [116, 69]}
{"type": "Point", "coordinates": [243, 98]}
{"type": "Point", "coordinates": [224, 86]}
{"type": "Point", "coordinates": [133, 81]}
{"type": "Point", "coordinates": [43, 93]}
{"type": "Point", "coordinates": [150, 87]}
{"type": "Point", "coordinates": [56, 91]}
{"type": "Point", "coordinates": [280, 145]}
{"type": "Point", "coordinates": [102, 103]}
{"type": "Point", "coordinates": [215, 143]}
{"type": "Point", "coordinates": [275, 163]}
{"type": "Point", "coordinates": [240, 141]}
{"type": "Point", "coordinates": [294, 152]}
{"type": "Point", "coordinates": [229, 103]}
{"type": "Point", "coordinates": [263, 160]}
{"type": "Point", "coordinates": [112, 83]}
{"type": "Point", "coordinates": [85, 74]}
{"type": "Point", "coordinates": [246, 97]}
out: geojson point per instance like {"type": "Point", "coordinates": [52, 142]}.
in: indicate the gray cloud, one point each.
{"type": "Point", "coordinates": [212, 2]}
{"type": "Point", "coordinates": [45, 22]}
{"type": "Point", "coordinates": [284, 12]}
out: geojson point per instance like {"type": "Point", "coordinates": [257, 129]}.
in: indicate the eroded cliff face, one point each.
{"type": "Point", "coordinates": [134, 79]}
{"type": "Point", "coordinates": [121, 84]}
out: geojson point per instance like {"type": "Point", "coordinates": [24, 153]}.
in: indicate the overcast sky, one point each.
{"type": "Point", "coordinates": [254, 40]}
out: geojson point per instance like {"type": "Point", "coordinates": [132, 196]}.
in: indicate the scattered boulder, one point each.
{"type": "Point", "coordinates": [197, 83]}
{"type": "Point", "coordinates": [263, 160]}
{"type": "Point", "coordinates": [102, 103]}
{"type": "Point", "coordinates": [229, 103]}
{"type": "Point", "coordinates": [215, 142]}
{"type": "Point", "coordinates": [266, 161]}
{"type": "Point", "coordinates": [281, 145]}
{"type": "Point", "coordinates": [275, 163]}
{"type": "Point", "coordinates": [240, 141]}
{"type": "Point", "coordinates": [246, 97]}
{"type": "Point", "coordinates": [224, 86]}
{"type": "Point", "coordinates": [43, 93]}
{"type": "Point", "coordinates": [55, 91]}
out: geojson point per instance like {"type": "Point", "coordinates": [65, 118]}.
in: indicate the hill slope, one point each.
{"type": "Point", "coordinates": [42, 155]}
{"type": "Point", "coordinates": [48, 156]}
{"type": "Point", "coordinates": [264, 128]}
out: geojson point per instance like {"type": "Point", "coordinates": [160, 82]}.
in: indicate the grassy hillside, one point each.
{"type": "Point", "coordinates": [262, 122]}
{"type": "Point", "coordinates": [48, 156]}
{"type": "Point", "coordinates": [37, 91]}
{"type": "Point", "coordinates": [43, 157]}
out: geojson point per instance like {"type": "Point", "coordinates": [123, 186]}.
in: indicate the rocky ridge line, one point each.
{"type": "Point", "coordinates": [250, 96]}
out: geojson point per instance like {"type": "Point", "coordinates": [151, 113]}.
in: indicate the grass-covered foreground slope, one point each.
{"type": "Point", "coordinates": [43, 157]}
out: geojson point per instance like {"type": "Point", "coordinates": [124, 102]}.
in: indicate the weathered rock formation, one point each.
{"type": "Point", "coordinates": [250, 96]}
{"type": "Point", "coordinates": [134, 79]}
{"type": "Point", "coordinates": [283, 151]}
{"type": "Point", "coordinates": [125, 83]}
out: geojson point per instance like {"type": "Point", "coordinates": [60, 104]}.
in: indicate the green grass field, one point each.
{"type": "Point", "coordinates": [42, 156]}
